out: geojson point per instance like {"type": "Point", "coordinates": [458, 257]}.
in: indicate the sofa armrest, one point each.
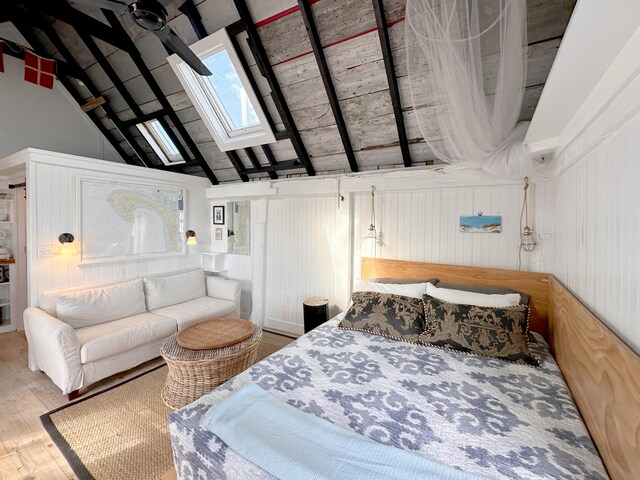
{"type": "Point", "coordinates": [218, 287]}
{"type": "Point", "coordinates": [54, 349]}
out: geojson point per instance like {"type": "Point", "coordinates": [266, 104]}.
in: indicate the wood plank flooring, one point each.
{"type": "Point", "coordinates": [26, 451]}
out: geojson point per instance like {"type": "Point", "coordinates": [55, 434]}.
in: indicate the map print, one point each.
{"type": "Point", "coordinates": [131, 220]}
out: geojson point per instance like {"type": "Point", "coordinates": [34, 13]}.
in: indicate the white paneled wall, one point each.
{"type": "Point", "coordinates": [301, 244]}
{"type": "Point", "coordinates": [590, 215]}
{"type": "Point", "coordinates": [52, 208]}
{"type": "Point", "coordinates": [313, 245]}
{"type": "Point", "coordinates": [424, 226]}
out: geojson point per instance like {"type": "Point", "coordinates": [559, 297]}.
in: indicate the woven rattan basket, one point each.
{"type": "Point", "coordinates": [192, 373]}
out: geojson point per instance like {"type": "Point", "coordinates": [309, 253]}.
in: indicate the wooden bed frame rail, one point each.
{"type": "Point", "coordinates": [603, 374]}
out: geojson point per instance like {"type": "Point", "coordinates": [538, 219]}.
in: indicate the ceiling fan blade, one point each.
{"type": "Point", "coordinates": [114, 5]}
{"type": "Point", "coordinates": [173, 43]}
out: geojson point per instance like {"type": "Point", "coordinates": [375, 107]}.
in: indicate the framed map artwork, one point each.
{"type": "Point", "coordinates": [123, 221]}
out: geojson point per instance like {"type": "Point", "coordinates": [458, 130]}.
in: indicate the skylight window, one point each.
{"type": "Point", "coordinates": [161, 142]}
{"type": "Point", "coordinates": [225, 101]}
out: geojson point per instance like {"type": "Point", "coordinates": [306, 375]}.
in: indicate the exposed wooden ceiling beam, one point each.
{"type": "Point", "coordinates": [256, 164]}
{"type": "Point", "coordinates": [262, 60]}
{"type": "Point", "coordinates": [325, 74]}
{"type": "Point", "coordinates": [394, 91]}
{"type": "Point", "coordinates": [233, 157]}
{"type": "Point", "coordinates": [133, 52]}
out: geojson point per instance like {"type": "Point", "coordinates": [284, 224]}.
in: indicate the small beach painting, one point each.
{"type": "Point", "coordinates": [481, 223]}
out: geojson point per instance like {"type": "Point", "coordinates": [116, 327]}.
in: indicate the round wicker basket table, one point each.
{"type": "Point", "coordinates": [194, 372]}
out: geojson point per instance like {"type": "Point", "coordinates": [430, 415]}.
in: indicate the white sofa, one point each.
{"type": "Point", "coordinates": [81, 335]}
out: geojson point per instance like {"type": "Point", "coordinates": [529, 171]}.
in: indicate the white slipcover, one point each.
{"type": "Point", "coordinates": [74, 358]}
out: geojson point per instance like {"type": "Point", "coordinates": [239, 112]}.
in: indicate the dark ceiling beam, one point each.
{"type": "Point", "coordinates": [237, 164]}
{"type": "Point", "coordinates": [325, 74]}
{"type": "Point", "coordinates": [281, 166]}
{"type": "Point", "coordinates": [17, 51]}
{"type": "Point", "coordinates": [190, 10]}
{"type": "Point", "coordinates": [143, 118]}
{"type": "Point", "coordinates": [92, 114]}
{"type": "Point", "coordinates": [394, 91]}
{"type": "Point", "coordinates": [54, 38]}
{"type": "Point", "coordinates": [79, 20]}
{"type": "Point", "coordinates": [133, 52]}
{"type": "Point", "coordinates": [262, 60]}
{"type": "Point", "coordinates": [269, 154]}
{"type": "Point", "coordinates": [256, 164]}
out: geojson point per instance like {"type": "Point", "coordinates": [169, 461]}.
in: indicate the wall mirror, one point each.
{"type": "Point", "coordinates": [239, 227]}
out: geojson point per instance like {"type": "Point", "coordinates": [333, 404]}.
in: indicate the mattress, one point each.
{"type": "Point", "coordinates": [483, 416]}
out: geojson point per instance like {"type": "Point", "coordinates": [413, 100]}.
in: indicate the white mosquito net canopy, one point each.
{"type": "Point", "coordinates": [467, 67]}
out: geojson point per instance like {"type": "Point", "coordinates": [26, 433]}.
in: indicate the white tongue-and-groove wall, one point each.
{"type": "Point", "coordinates": [314, 241]}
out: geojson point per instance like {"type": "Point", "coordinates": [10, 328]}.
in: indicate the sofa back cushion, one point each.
{"type": "Point", "coordinates": [162, 291]}
{"type": "Point", "coordinates": [103, 304]}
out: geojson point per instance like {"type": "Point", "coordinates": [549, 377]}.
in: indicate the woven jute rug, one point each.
{"type": "Point", "coordinates": [119, 433]}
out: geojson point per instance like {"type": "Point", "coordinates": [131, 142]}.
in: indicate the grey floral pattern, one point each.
{"type": "Point", "coordinates": [492, 332]}
{"type": "Point", "coordinates": [482, 415]}
{"type": "Point", "coordinates": [393, 316]}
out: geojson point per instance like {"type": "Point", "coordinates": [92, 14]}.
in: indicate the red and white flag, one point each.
{"type": "Point", "coordinates": [1, 57]}
{"type": "Point", "coordinates": [38, 70]}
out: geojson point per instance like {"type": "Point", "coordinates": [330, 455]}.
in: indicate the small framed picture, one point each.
{"type": "Point", "coordinates": [218, 233]}
{"type": "Point", "coordinates": [218, 215]}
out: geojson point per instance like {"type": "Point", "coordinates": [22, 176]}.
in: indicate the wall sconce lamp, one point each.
{"type": "Point", "coordinates": [191, 238]}
{"type": "Point", "coordinates": [68, 248]}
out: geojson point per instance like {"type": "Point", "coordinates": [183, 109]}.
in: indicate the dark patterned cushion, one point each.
{"type": "Point", "coordinates": [492, 332]}
{"type": "Point", "coordinates": [392, 316]}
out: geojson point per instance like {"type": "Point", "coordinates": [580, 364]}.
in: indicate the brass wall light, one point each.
{"type": "Point", "coordinates": [68, 248]}
{"type": "Point", "coordinates": [191, 238]}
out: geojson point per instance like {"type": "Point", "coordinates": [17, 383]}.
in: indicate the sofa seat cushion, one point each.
{"type": "Point", "coordinates": [107, 339]}
{"type": "Point", "coordinates": [193, 311]}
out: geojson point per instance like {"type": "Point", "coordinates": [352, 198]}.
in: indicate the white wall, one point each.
{"type": "Point", "coordinates": [34, 116]}
{"type": "Point", "coordinates": [314, 242]}
{"type": "Point", "coordinates": [52, 210]}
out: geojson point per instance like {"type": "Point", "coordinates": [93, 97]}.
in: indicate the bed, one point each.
{"type": "Point", "coordinates": [481, 415]}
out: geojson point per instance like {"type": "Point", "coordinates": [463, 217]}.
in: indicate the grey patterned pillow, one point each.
{"type": "Point", "coordinates": [491, 332]}
{"type": "Point", "coordinates": [385, 314]}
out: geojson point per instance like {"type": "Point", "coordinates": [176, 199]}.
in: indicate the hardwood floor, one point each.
{"type": "Point", "coordinates": [26, 451]}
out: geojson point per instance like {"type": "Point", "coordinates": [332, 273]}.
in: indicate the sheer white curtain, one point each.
{"type": "Point", "coordinates": [467, 67]}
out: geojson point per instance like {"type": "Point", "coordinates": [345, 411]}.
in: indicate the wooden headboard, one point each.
{"type": "Point", "coordinates": [602, 373]}
{"type": "Point", "coordinates": [534, 284]}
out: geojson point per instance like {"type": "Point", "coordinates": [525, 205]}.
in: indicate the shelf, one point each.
{"type": "Point", "coordinates": [4, 303]}
{"type": "Point", "coordinates": [10, 261]}
{"type": "Point", "coordinates": [4, 283]}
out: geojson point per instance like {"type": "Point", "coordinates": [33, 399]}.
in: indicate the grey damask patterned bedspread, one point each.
{"type": "Point", "coordinates": [481, 415]}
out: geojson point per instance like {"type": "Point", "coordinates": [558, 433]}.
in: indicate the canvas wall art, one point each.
{"type": "Point", "coordinates": [481, 223]}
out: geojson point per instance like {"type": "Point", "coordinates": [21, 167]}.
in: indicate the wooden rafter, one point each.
{"type": "Point", "coordinates": [325, 74]}
{"type": "Point", "coordinates": [256, 164]}
{"type": "Point", "coordinates": [233, 157]}
{"type": "Point", "coordinates": [394, 91]}
{"type": "Point", "coordinates": [262, 61]}
{"type": "Point", "coordinates": [133, 52]}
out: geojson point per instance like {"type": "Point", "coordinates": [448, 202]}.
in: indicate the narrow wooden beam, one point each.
{"type": "Point", "coordinates": [133, 52]}
{"type": "Point", "coordinates": [93, 104]}
{"type": "Point", "coordinates": [281, 166]}
{"type": "Point", "coordinates": [190, 10]}
{"type": "Point", "coordinates": [62, 49]}
{"type": "Point", "coordinates": [269, 154]}
{"type": "Point", "coordinates": [325, 74]}
{"type": "Point", "coordinates": [237, 164]}
{"type": "Point", "coordinates": [276, 92]}
{"type": "Point", "coordinates": [143, 118]}
{"type": "Point", "coordinates": [394, 91]}
{"type": "Point", "coordinates": [256, 164]}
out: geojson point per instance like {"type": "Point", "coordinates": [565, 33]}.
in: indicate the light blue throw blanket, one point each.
{"type": "Point", "coordinates": [294, 445]}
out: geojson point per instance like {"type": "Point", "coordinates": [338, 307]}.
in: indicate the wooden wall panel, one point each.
{"type": "Point", "coordinates": [52, 194]}
{"type": "Point", "coordinates": [603, 375]}
{"type": "Point", "coordinates": [301, 241]}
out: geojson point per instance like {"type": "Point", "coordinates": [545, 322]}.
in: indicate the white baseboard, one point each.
{"type": "Point", "coordinates": [283, 326]}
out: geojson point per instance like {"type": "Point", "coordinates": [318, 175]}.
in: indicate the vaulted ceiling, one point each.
{"type": "Point", "coordinates": [331, 74]}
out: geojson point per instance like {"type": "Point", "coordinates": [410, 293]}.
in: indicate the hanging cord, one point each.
{"type": "Point", "coordinates": [524, 213]}
{"type": "Point", "coordinates": [372, 225]}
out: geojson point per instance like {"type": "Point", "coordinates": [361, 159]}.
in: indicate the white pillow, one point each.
{"type": "Point", "coordinates": [472, 298]}
{"type": "Point", "coordinates": [162, 291]}
{"type": "Point", "coordinates": [415, 290]}
{"type": "Point", "coordinates": [100, 305]}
